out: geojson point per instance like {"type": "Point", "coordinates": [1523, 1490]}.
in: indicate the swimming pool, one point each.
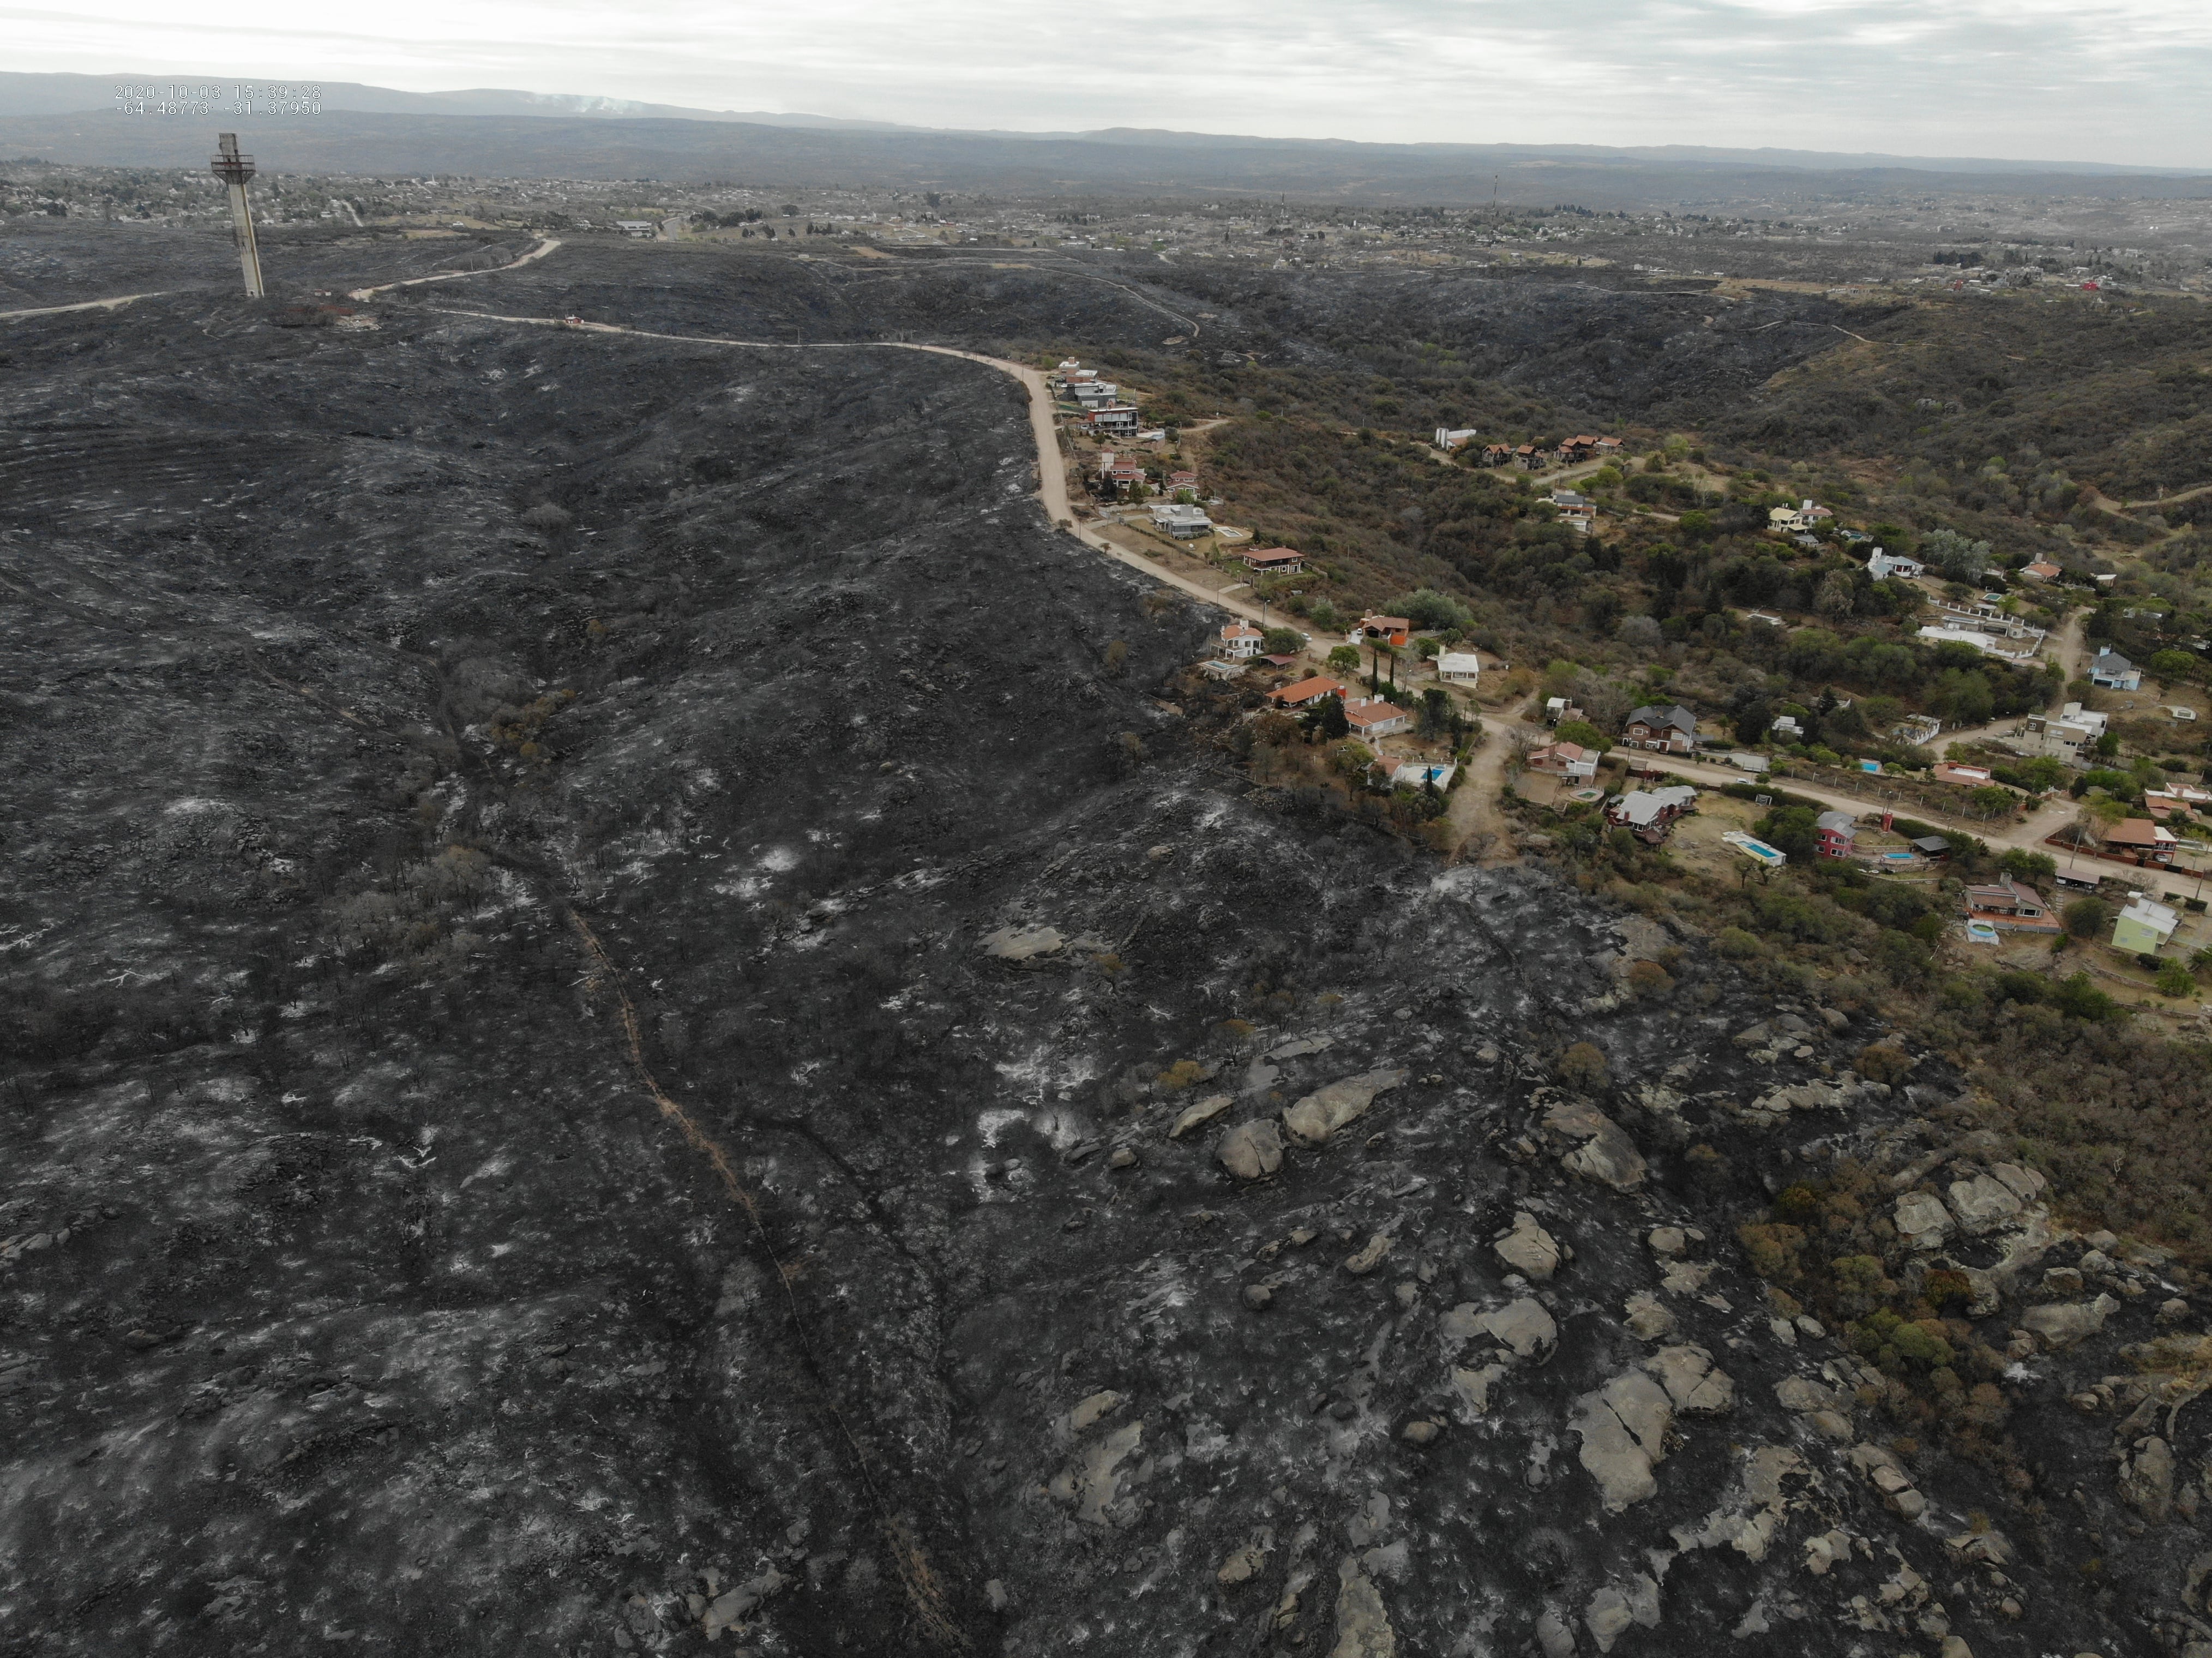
{"type": "Point", "coordinates": [1981, 932]}
{"type": "Point", "coordinates": [1759, 851]}
{"type": "Point", "coordinates": [1899, 858]}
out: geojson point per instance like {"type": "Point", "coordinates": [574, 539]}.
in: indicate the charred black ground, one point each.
{"type": "Point", "coordinates": [463, 779]}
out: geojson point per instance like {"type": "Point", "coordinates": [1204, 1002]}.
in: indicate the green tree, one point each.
{"type": "Point", "coordinates": [1991, 799]}
{"type": "Point", "coordinates": [1287, 641]}
{"type": "Point", "coordinates": [1789, 829]}
{"type": "Point", "coordinates": [1344, 658]}
{"type": "Point", "coordinates": [1424, 607]}
{"type": "Point", "coordinates": [1957, 557]}
{"type": "Point", "coordinates": [1329, 720]}
{"type": "Point", "coordinates": [2171, 664]}
{"type": "Point", "coordinates": [2087, 918]}
{"type": "Point", "coordinates": [1581, 733]}
{"type": "Point", "coordinates": [2081, 1000]}
{"type": "Point", "coordinates": [2174, 980]}
{"type": "Point", "coordinates": [2027, 865]}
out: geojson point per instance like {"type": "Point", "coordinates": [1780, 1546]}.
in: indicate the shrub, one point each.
{"type": "Point", "coordinates": [2174, 980]}
{"type": "Point", "coordinates": [1583, 1066]}
{"type": "Point", "coordinates": [2087, 918]}
{"type": "Point", "coordinates": [1882, 1062]}
{"type": "Point", "coordinates": [1424, 607]}
{"type": "Point", "coordinates": [1183, 1073]}
{"type": "Point", "coordinates": [1735, 944]}
{"type": "Point", "coordinates": [1584, 734]}
{"type": "Point", "coordinates": [1650, 978]}
{"type": "Point", "coordinates": [1773, 1250]}
{"type": "Point", "coordinates": [2083, 1001]}
{"type": "Point", "coordinates": [1861, 1282]}
{"type": "Point", "coordinates": [1945, 1285]}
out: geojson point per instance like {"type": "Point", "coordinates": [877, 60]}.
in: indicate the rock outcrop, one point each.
{"type": "Point", "coordinates": [1251, 1151]}
{"type": "Point", "coordinates": [1313, 1118]}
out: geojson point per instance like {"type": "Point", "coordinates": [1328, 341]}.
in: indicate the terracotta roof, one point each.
{"type": "Point", "coordinates": [2138, 832]}
{"type": "Point", "coordinates": [1373, 711]}
{"type": "Point", "coordinates": [1307, 690]}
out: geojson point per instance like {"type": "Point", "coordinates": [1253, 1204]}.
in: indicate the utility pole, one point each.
{"type": "Point", "coordinates": [234, 169]}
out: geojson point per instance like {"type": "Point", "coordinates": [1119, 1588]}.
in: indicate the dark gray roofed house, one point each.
{"type": "Point", "coordinates": [1672, 728]}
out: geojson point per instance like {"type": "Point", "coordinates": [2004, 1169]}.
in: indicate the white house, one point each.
{"type": "Point", "coordinates": [1458, 667]}
{"type": "Point", "coordinates": [1881, 566]}
{"type": "Point", "coordinates": [2144, 926]}
{"type": "Point", "coordinates": [2115, 672]}
{"type": "Point", "coordinates": [1240, 640]}
{"type": "Point", "coordinates": [1448, 439]}
{"type": "Point", "coordinates": [1576, 511]}
{"type": "Point", "coordinates": [1414, 773]}
{"type": "Point", "coordinates": [1181, 522]}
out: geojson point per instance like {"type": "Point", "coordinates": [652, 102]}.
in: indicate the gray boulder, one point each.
{"type": "Point", "coordinates": [1251, 1151]}
{"type": "Point", "coordinates": [1983, 1204]}
{"type": "Point", "coordinates": [1327, 1109]}
{"type": "Point", "coordinates": [2063, 1323]}
{"type": "Point", "coordinates": [1529, 1249]}
{"type": "Point", "coordinates": [1921, 1220]}
{"type": "Point", "coordinates": [1598, 1148]}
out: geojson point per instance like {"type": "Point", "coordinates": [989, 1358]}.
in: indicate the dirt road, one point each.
{"type": "Point", "coordinates": [119, 301]}
{"type": "Point", "coordinates": [545, 246]}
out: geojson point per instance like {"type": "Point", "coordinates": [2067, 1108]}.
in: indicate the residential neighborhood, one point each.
{"type": "Point", "coordinates": [1424, 713]}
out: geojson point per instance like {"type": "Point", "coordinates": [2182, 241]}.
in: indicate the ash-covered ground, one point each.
{"type": "Point", "coordinates": [632, 1026]}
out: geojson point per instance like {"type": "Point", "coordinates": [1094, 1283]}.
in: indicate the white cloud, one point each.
{"type": "Point", "coordinates": [2090, 80]}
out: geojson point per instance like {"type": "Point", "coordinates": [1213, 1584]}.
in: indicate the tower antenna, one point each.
{"type": "Point", "coordinates": [234, 169]}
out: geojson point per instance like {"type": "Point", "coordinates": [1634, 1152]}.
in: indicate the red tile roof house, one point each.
{"type": "Point", "coordinates": [1305, 693]}
{"type": "Point", "coordinates": [1274, 560]}
{"type": "Point", "coordinates": [2042, 570]}
{"type": "Point", "coordinates": [1673, 728]}
{"type": "Point", "coordinates": [1497, 454]}
{"type": "Point", "coordinates": [1183, 481]}
{"type": "Point", "coordinates": [1389, 630]}
{"type": "Point", "coordinates": [1836, 834]}
{"type": "Point", "coordinates": [2010, 908]}
{"type": "Point", "coordinates": [2142, 840]}
{"type": "Point", "coordinates": [1240, 640]}
{"type": "Point", "coordinates": [1972, 777]}
{"type": "Point", "coordinates": [1371, 717]}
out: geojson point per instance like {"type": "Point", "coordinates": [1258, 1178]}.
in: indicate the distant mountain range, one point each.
{"type": "Point", "coordinates": [495, 133]}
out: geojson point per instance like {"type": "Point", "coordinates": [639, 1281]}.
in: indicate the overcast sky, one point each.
{"type": "Point", "coordinates": [2077, 80]}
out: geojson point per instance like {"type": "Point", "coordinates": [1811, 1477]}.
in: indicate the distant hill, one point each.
{"type": "Point", "coordinates": [75, 94]}
{"type": "Point", "coordinates": [24, 93]}
{"type": "Point", "coordinates": [1170, 165]}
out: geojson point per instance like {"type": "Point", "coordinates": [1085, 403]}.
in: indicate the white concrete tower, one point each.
{"type": "Point", "coordinates": [234, 169]}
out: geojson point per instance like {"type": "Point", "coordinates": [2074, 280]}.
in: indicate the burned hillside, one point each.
{"type": "Point", "coordinates": [633, 1025]}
